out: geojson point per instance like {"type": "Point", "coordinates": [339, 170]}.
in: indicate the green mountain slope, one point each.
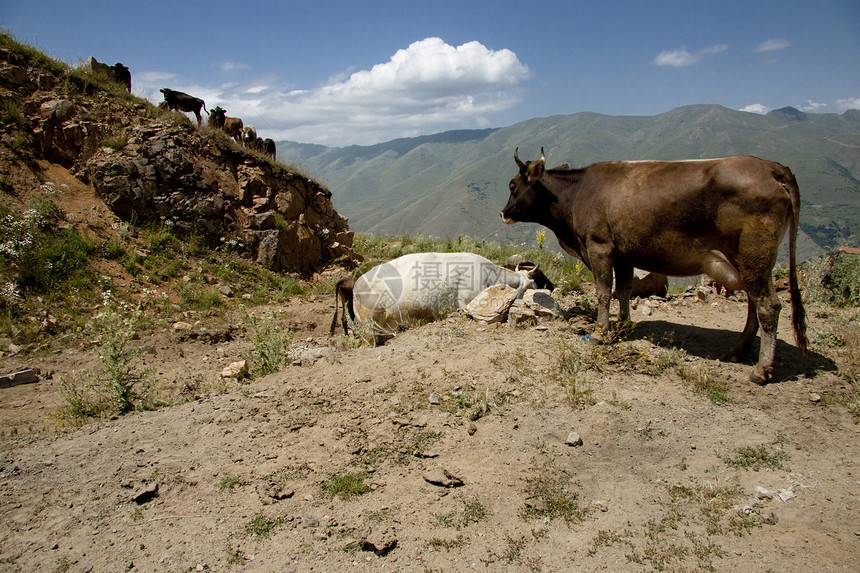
{"type": "Point", "coordinates": [456, 182]}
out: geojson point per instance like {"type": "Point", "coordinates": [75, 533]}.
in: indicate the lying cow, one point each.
{"type": "Point", "coordinates": [421, 287]}
{"type": "Point", "coordinates": [721, 217]}
{"type": "Point", "coordinates": [180, 101]}
{"type": "Point", "coordinates": [343, 289]}
{"type": "Point", "coordinates": [541, 280]}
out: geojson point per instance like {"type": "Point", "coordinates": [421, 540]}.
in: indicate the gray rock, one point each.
{"type": "Point", "coordinates": [573, 439]}
{"type": "Point", "coordinates": [26, 376]}
{"type": "Point", "coordinates": [443, 478]}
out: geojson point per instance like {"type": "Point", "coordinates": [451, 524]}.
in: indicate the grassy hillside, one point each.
{"type": "Point", "coordinates": [456, 183]}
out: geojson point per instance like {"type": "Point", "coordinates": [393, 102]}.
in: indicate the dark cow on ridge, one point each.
{"type": "Point", "coordinates": [269, 148]}
{"type": "Point", "coordinates": [117, 72]}
{"type": "Point", "coordinates": [122, 75]}
{"type": "Point", "coordinates": [249, 137]}
{"type": "Point", "coordinates": [721, 217]}
{"type": "Point", "coordinates": [233, 127]}
{"type": "Point", "coordinates": [175, 100]}
{"type": "Point", "coordinates": [344, 290]}
{"type": "Point", "coordinates": [217, 117]}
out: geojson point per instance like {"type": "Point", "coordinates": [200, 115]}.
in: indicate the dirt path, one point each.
{"type": "Point", "coordinates": [236, 480]}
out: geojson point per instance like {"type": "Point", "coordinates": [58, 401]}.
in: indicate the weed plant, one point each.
{"type": "Point", "coordinates": [122, 386]}
{"type": "Point", "coordinates": [832, 280]}
{"type": "Point", "coordinates": [271, 342]}
{"type": "Point", "coordinates": [345, 485]}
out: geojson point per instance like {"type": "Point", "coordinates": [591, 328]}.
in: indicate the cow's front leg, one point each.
{"type": "Point", "coordinates": [603, 283]}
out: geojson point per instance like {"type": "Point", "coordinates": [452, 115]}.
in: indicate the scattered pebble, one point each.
{"type": "Point", "coordinates": [573, 439]}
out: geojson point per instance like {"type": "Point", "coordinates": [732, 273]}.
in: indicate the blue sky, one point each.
{"type": "Point", "coordinates": [352, 72]}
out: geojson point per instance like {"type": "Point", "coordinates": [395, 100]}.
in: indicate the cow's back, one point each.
{"type": "Point", "coordinates": [668, 216]}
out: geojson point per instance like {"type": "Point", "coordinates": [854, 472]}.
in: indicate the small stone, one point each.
{"type": "Point", "coordinates": [237, 369]}
{"type": "Point", "coordinates": [434, 399]}
{"type": "Point", "coordinates": [814, 398]}
{"type": "Point", "coordinates": [573, 439]}
{"type": "Point", "coordinates": [600, 505]}
{"type": "Point", "coordinates": [181, 326]}
{"type": "Point", "coordinates": [442, 478]}
{"type": "Point", "coordinates": [762, 493]}
{"type": "Point", "coordinates": [771, 519]}
{"type": "Point", "coordinates": [226, 290]}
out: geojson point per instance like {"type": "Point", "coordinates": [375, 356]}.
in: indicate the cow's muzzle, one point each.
{"type": "Point", "coordinates": [505, 220]}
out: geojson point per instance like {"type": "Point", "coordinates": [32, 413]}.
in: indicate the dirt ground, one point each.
{"type": "Point", "coordinates": [488, 478]}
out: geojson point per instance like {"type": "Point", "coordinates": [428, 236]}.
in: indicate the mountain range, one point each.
{"type": "Point", "coordinates": [455, 183]}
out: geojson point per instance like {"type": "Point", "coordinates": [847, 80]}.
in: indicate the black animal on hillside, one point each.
{"type": "Point", "coordinates": [180, 101]}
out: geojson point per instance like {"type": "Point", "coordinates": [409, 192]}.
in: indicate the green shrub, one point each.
{"type": "Point", "coordinates": [122, 386]}
{"type": "Point", "coordinates": [833, 279]}
{"type": "Point", "coordinates": [199, 298]}
{"type": "Point", "coordinates": [345, 485]}
{"type": "Point", "coordinates": [271, 343]}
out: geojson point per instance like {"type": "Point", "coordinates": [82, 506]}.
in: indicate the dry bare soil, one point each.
{"type": "Point", "coordinates": [267, 475]}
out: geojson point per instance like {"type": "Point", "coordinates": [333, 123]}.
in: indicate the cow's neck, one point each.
{"type": "Point", "coordinates": [557, 214]}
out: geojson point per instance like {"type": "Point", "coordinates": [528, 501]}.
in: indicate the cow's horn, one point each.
{"type": "Point", "coordinates": [542, 156]}
{"type": "Point", "coordinates": [520, 164]}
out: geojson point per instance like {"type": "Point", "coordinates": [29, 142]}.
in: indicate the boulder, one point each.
{"type": "Point", "coordinates": [492, 304]}
{"type": "Point", "coordinates": [540, 301]}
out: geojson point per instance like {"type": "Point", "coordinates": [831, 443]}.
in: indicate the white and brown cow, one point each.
{"type": "Point", "coordinates": [421, 287]}
{"type": "Point", "coordinates": [721, 217]}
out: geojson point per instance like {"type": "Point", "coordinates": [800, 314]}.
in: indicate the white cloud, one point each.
{"type": "Point", "coordinates": [676, 58]}
{"type": "Point", "coordinates": [715, 49]}
{"type": "Point", "coordinates": [811, 106]}
{"type": "Point", "coordinates": [682, 58]}
{"type": "Point", "coordinates": [427, 87]}
{"type": "Point", "coordinates": [848, 103]}
{"type": "Point", "coordinates": [756, 108]}
{"type": "Point", "coordinates": [772, 45]}
{"type": "Point", "coordinates": [231, 66]}
{"type": "Point", "coordinates": [151, 79]}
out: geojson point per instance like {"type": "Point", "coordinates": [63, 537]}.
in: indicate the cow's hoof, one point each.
{"type": "Point", "coordinates": [595, 339]}
{"type": "Point", "coordinates": [760, 375]}
{"type": "Point", "coordinates": [733, 356]}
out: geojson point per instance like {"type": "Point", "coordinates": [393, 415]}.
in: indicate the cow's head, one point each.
{"type": "Point", "coordinates": [529, 199]}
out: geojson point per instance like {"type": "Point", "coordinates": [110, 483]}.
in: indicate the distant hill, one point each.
{"type": "Point", "coordinates": [457, 182]}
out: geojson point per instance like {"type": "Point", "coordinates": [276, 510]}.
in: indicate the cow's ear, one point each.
{"type": "Point", "coordinates": [535, 169]}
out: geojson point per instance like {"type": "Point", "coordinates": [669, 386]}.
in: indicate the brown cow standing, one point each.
{"type": "Point", "coordinates": [721, 217]}
{"type": "Point", "coordinates": [233, 127]}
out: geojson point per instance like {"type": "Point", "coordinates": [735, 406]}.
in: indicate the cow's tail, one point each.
{"type": "Point", "coordinates": [798, 313]}
{"type": "Point", "coordinates": [204, 108]}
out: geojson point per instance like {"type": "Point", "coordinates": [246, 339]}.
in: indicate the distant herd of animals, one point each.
{"type": "Point", "coordinates": [723, 217]}
{"type": "Point", "coordinates": [180, 101]}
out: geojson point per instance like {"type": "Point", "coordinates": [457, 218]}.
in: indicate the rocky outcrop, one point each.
{"type": "Point", "coordinates": [152, 166]}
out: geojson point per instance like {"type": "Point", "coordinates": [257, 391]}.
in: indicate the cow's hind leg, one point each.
{"type": "Point", "coordinates": [768, 307]}
{"type": "Point", "coordinates": [623, 288]}
{"type": "Point", "coordinates": [741, 351]}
